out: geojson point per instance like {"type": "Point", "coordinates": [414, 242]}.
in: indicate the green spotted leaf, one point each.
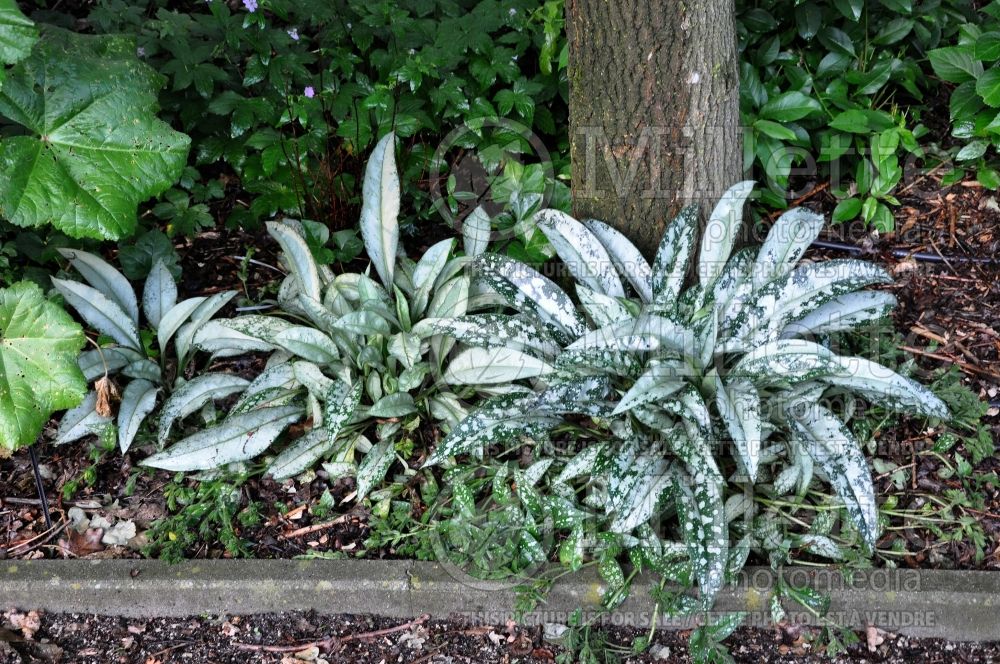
{"type": "Point", "coordinates": [39, 344]}
{"type": "Point", "coordinates": [93, 148]}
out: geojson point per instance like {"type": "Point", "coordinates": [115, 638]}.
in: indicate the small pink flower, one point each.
{"type": "Point", "coordinates": [309, 92]}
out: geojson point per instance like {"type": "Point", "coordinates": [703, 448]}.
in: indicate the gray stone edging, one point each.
{"type": "Point", "coordinates": [948, 604]}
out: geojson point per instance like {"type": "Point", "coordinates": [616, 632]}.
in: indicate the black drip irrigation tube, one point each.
{"type": "Point", "coordinates": [920, 256]}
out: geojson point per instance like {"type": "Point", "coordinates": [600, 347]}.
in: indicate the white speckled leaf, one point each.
{"type": "Point", "coordinates": [626, 257]}
{"type": "Point", "coordinates": [102, 276]}
{"type": "Point", "coordinates": [159, 294]}
{"type": "Point", "coordinates": [101, 313]}
{"type": "Point", "coordinates": [194, 394]}
{"type": "Point", "coordinates": [299, 258]}
{"type": "Point", "coordinates": [238, 438]}
{"type": "Point", "coordinates": [673, 255]}
{"type": "Point", "coordinates": [834, 448]}
{"type": "Point", "coordinates": [720, 232]}
{"type": "Point", "coordinates": [138, 401]}
{"type": "Point", "coordinates": [380, 208]}
{"type": "Point", "coordinates": [787, 240]}
{"type": "Point", "coordinates": [581, 251]}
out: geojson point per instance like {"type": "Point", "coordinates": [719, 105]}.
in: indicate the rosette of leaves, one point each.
{"type": "Point", "coordinates": [89, 147]}
{"type": "Point", "coordinates": [708, 391]}
{"type": "Point", "coordinates": [135, 366]}
{"type": "Point", "coordinates": [344, 345]}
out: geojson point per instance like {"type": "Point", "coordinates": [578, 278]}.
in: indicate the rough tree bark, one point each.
{"type": "Point", "coordinates": [654, 115]}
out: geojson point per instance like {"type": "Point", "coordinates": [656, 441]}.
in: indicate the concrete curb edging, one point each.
{"type": "Point", "coordinates": [959, 606]}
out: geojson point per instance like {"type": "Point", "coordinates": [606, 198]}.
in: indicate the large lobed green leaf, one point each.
{"type": "Point", "coordinates": [17, 34]}
{"type": "Point", "coordinates": [39, 344]}
{"type": "Point", "coordinates": [94, 148]}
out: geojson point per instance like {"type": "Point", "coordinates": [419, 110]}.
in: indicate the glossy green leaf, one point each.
{"type": "Point", "coordinates": [93, 150]}
{"type": "Point", "coordinates": [39, 343]}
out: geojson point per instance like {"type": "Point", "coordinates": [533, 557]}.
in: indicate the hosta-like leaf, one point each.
{"type": "Point", "coordinates": [192, 395]}
{"type": "Point", "coordinates": [720, 232]}
{"type": "Point", "coordinates": [374, 466]}
{"type": "Point", "coordinates": [365, 323]}
{"type": "Point", "coordinates": [39, 343]}
{"type": "Point", "coordinates": [174, 319]}
{"type": "Point", "coordinates": [405, 347]}
{"type": "Point", "coordinates": [527, 291]}
{"type": "Point", "coordinates": [581, 251]}
{"type": "Point", "coordinates": [276, 380]}
{"type": "Point", "coordinates": [626, 256]}
{"type": "Point", "coordinates": [313, 379]}
{"type": "Point", "coordinates": [497, 420]}
{"type": "Point", "coordinates": [17, 34]}
{"type": "Point", "coordinates": [787, 240]}
{"type": "Point", "coordinates": [581, 464]}
{"type": "Point", "coordinates": [144, 368]}
{"type": "Point", "coordinates": [602, 309]}
{"type": "Point", "coordinates": [109, 281]}
{"type": "Point", "coordinates": [673, 256]}
{"type": "Point", "coordinates": [636, 482]}
{"type": "Point", "coordinates": [80, 421]}
{"type": "Point", "coordinates": [843, 313]}
{"type": "Point", "coordinates": [476, 229]}
{"type": "Point", "coordinates": [399, 404]}
{"type": "Point", "coordinates": [138, 401]}
{"type": "Point", "coordinates": [93, 148]}
{"type": "Point", "coordinates": [98, 362]}
{"type": "Point", "coordinates": [660, 380]}
{"type": "Point", "coordinates": [101, 313]}
{"type": "Point", "coordinates": [380, 208]}
{"type": "Point", "coordinates": [308, 343]}
{"type": "Point", "coordinates": [238, 438]}
{"type": "Point", "coordinates": [787, 361]}
{"type": "Point", "coordinates": [198, 319]}
{"type": "Point", "coordinates": [299, 258]}
{"type": "Point", "coordinates": [159, 295]}
{"type": "Point", "coordinates": [801, 292]}
{"type": "Point", "coordinates": [646, 333]}
{"type": "Point", "coordinates": [242, 334]}
{"type": "Point", "coordinates": [493, 366]}
{"type": "Point", "coordinates": [426, 272]}
{"type": "Point", "coordinates": [341, 403]}
{"type": "Point", "coordinates": [739, 406]}
{"type": "Point", "coordinates": [886, 388]}
{"type": "Point", "coordinates": [301, 455]}
{"type": "Point", "coordinates": [450, 299]}
{"type": "Point", "coordinates": [492, 331]}
{"type": "Point", "coordinates": [703, 525]}
{"type": "Point", "coordinates": [834, 448]}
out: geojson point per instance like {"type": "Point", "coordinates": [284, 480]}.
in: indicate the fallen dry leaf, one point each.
{"type": "Point", "coordinates": [874, 636]}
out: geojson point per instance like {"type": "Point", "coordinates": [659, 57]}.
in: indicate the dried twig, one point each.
{"type": "Point", "coordinates": [329, 643]}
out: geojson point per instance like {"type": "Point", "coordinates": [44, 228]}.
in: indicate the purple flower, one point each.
{"type": "Point", "coordinates": [309, 92]}
{"type": "Point", "coordinates": [251, 5]}
{"type": "Point", "coordinates": [294, 34]}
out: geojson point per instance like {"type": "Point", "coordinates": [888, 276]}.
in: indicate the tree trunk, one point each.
{"type": "Point", "coordinates": [654, 110]}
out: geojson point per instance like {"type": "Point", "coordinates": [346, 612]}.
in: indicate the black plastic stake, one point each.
{"type": "Point", "coordinates": [40, 488]}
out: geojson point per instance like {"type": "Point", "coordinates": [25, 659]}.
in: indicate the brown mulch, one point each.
{"type": "Point", "coordinates": [365, 639]}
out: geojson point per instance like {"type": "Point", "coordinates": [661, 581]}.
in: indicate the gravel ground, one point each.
{"type": "Point", "coordinates": [310, 637]}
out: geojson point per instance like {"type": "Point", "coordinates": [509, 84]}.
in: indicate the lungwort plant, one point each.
{"type": "Point", "coordinates": [342, 350]}
{"type": "Point", "coordinates": [708, 392]}
{"type": "Point", "coordinates": [108, 304]}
